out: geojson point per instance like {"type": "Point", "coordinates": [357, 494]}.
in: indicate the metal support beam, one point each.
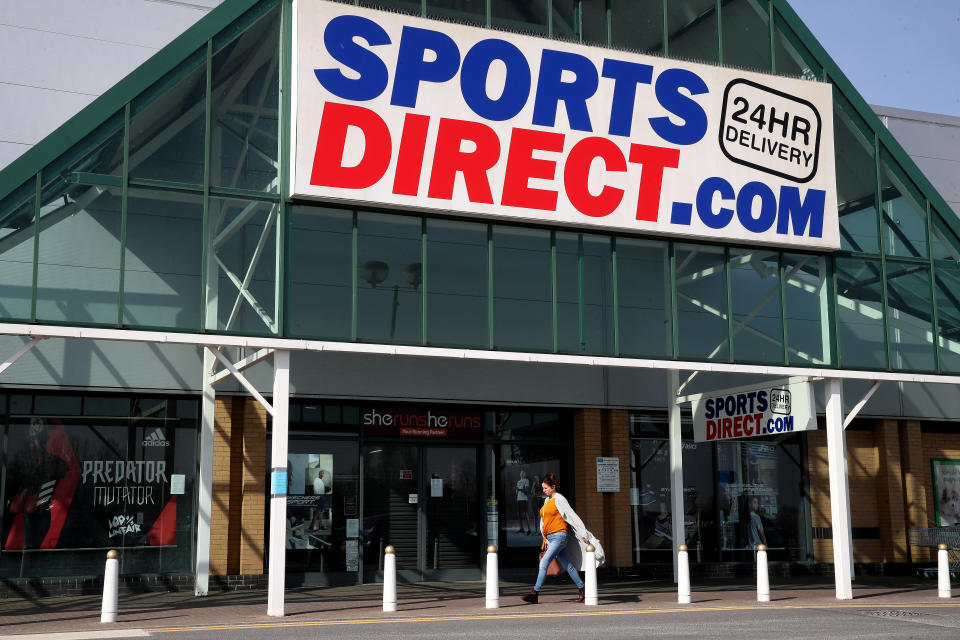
{"type": "Point", "coordinates": [205, 480]}
{"type": "Point", "coordinates": [278, 484]}
{"type": "Point", "coordinates": [22, 350]}
{"type": "Point", "coordinates": [863, 401]}
{"type": "Point", "coordinates": [242, 380]}
{"type": "Point", "coordinates": [241, 365]}
{"type": "Point", "coordinates": [839, 490]}
{"type": "Point", "coordinates": [676, 465]}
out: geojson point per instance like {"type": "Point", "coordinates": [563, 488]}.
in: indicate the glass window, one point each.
{"type": "Point", "coordinates": [692, 27]}
{"type": "Point", "coordinates": [755, 294]}
{"type": "Point", "coordinates": [522, 298]}
{"type": "Point", "coordinates": [389, 269]}
{"type": "Point", "coordinates": [524, 425]}
{"type": "Point", "coordinates": [948, 315]}
{"type": "Point", "coordinates": [126, 492]}
{"type": "Point", "coordinates": [701, 302]}
{"type": "Point", "coordinates": [243, 242]}
{"type": "Point", "coordinates": [469, 11]}
{"type": "Point", "coordinates": [246, 105]}
{"type": "Point", "coordinates": [167, 126]}
{"type": "Point", "coordinates": [945, 245]}
{"type": "Point", "coordinates": [637, 25]}
{"type": "Point", "coordinates": [99, 154]}
{"type": "Point", "coordinates": [321, 265]}
{"type": "Point", "coordinates": [910, 324]}
{"type": "Point", "coordinates": [78, 272]}
{"type": "Point", "coordinates": [161, 281]}
{"type": "Point", "coordinates": [520, 15]}
{"type": "Point", "coordinates": [806, 298]}
{"type": "Point", "coordinates": [593, 21]}
{"type": "Point", "coordinates": [597, 294]}
{"type": "Point", "coordinates": [412, 7]}
{"type": "Point", "coordinates": [643, 298]}
{"type": "Point", "coordinates": [323, 515]}
{"type": "Point", "coordinates": [16, 252]}
{"type": "Point", "coordinates": [568, 249]}
{"type": "Point", "coordinates": [457, 283]}
{"type": "Point", "coordinates": [904, 217]}
{"type": "Point", "coordinates": [856, 180]}
{"type": "Point", "coordinates": [860, 314]}
{"type": "Point", "coordinates": [746, 34]}
{"type": "Point", "coordinates": [564, 19]}
{"type": "Point", "coordinates": [792, 58]}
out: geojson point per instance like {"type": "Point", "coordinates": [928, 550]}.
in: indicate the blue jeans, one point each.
{"type": "Point", "coordinates": [557, 548]}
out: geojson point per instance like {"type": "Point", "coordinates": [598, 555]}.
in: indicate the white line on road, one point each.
{"type": "Point", "coordinates": [81, 635]}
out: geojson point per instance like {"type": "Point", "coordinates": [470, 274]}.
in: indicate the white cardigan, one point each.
{"type": "Point", "coordinates": [578, 551]}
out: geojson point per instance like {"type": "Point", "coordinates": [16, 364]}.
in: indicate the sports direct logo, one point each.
{"type": "Point", "coordinates": [413, 113]}
{"type": "Point", "coordinates": [156, 439]}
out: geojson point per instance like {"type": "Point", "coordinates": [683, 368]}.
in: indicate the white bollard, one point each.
{"type": "Point", "coordinates": [943, 572]}
{"type": "Point", "coordinates": [111, 579]}
{"type": "Point", "coordinates": [763, 577]}
{"type": "Point", "coordinates": [683, 575]}
{"type": "Point", "coordinates": [389, 579]}
{"type": "Point", "coordinates": [590, 577]}
{"type": "Point", "coordinates": [493, 578]}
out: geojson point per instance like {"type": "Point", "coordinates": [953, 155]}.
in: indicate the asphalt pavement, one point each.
{"type": "Point", "coordinates": [881, 608]}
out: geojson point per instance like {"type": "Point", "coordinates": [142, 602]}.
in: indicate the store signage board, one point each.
{"type": "Point", "coordinates": [421, 423]}
{"type": "Point", "coordinates": [404, 112]}
{"type": "Point", "coordinates": [763, 411]}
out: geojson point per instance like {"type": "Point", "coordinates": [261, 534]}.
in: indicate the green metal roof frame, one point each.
{"type": "Point", "coordinates": [113, 100]}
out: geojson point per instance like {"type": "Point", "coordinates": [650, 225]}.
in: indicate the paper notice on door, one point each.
{"type": "Point", "coordinates": [353, 527]}
{"type": "Point", "coordinates": [352, 549]}
{"type": "Point", "coordinates": [413, 498]}
{"type": "Point", "coordinates": [177, 484]}
{"type": "Point", "coordinates": [436, 487]}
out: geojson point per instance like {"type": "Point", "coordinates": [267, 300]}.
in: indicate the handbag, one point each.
{"type": "Point", "coordinates": [553, 569]}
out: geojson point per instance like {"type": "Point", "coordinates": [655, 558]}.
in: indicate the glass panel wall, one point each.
{"type": "Point", "coordinates": [860, 328]}
{"type": "Point", "coordinates": [791, 57]}
{"type": "Point", "coordinates": [593, 22]}
{"type": "Point", "coordinates": [746, 34]}
{"type": "Point", "coordinates": [167, 126]}
{"type": "Point", "coordinates": [16, 252]}
{"type": "Point", "coordinates": [597, 296]}
{"type": "Point", "coordinates": [755, 296]}
{"type": "Point", "coordinates": [522, 291]}
{"type": "Point", "coordinates": [457, 294]}
{"type": "Point", "coordinates": [806, 309]}
{"type": "Point", "coordinates": [692, 28]}
{"type": "Point", "coordinates": [637, 25]}
{"type": "Point", "coordinates": [701, 302]}
{"type": "Point", "coordinates": [246, 108]}
{"type": "Point", "coordinates": [163, 259]}
{"type": "Point", "coordinates": [569, 278]}
{"type": "Point", "coordinates": [564, 19]}
{"type": "Point", "coordinates": [321, 268]}
{"type": "Point", "coordinates": [643, 296]}
{"type": "Point", "coordinates": [948, 315]}
{"type": "Point", "coordinates": [389, 270]}
{"type": "Point", "coordinates": [856, 180]}
{"type": "Point", "coordinates": [529, 16]}
{"type": "Point", "coordinates": [904, 217]}
{"type": "Point", "coordinates": [910, 321]}
{"type": "Point", "coordinates": [469, 11]}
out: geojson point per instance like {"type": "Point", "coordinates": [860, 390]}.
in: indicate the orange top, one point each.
{"type": "Point", "coordinates": [553, 522]}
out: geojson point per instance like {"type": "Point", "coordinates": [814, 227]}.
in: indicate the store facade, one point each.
{"type": "Point", "coordinates": [188, 228]}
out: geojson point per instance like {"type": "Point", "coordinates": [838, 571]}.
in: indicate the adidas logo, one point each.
{"type": "Point", "coordinates": [156, 439]}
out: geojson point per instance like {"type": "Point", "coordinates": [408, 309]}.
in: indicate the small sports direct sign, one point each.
{"type": "Point", "coordinates": [764, 410]}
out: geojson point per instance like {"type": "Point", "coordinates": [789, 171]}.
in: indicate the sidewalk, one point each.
{"type": "Point", "coordinates": [429, 600]}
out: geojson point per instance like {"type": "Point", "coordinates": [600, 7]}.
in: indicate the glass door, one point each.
{"type": "Point", "coordinates": [423, 501]}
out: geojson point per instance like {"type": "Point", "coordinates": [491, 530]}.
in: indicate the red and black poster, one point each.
{"type": "Point", "coordinates": [82, 486]}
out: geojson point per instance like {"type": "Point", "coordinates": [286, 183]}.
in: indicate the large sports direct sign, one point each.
{"type": "Point", "coordinates": [404, 112]}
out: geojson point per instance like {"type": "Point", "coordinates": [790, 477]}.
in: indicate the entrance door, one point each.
{"type": "Point", "coordinates": [423, 500]}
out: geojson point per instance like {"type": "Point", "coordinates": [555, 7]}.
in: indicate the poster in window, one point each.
{"type": "Point", "coordinates": [309, 500]}
{"type": "Point", "coordinates": [71, 486]}
{"type": "Point", "coordinates": [946, 491]}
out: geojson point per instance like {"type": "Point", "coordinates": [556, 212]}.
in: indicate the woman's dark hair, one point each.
{"type": "Point", "coordinates": [551, 479]}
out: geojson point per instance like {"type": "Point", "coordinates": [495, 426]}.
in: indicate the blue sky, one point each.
{"type": "Point", "coordinates": [897, 53]}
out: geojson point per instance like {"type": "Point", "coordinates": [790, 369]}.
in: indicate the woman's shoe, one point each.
{"type": "Point", "coordinates": [580, 598]}
{"type": "Point", "coordinates": [532, 597]}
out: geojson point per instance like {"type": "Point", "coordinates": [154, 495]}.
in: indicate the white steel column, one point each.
{"type": "Point", "coordinates": [278, 484]}
{"type": "Point", "coordinates": [839, 490]}
{"type": "Point", "coordinates": [205, 482]}
{"type": "Point", "coordinates": [676, 465]}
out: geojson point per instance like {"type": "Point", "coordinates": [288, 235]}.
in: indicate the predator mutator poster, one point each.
{"type": "Point", "coordinates": [74, 486]}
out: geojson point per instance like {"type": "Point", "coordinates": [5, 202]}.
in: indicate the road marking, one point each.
{"type": "Point", "coordinates": [516, 616]}
{"type": "Point", "coordinates": [81, 635]}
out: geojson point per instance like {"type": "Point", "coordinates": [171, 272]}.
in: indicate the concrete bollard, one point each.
{"type": "Point", "coordinates": [683, 575]}
{"type": "Point", "coordinates": [111, 579]}
{"type": "Point", "coordinates": [389, 579]}
{"type": "Point", "coordinates": [493, 578]}
{"type": "Point", "coordinates": [943, 572]}
{"type": "Point", "coordinates": [590, 577]}
{"type": "Point", "coordinates": [763, 577]}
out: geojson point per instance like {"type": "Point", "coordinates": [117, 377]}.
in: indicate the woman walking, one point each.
{"type": "Point", "coordinates": [556, 518]}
